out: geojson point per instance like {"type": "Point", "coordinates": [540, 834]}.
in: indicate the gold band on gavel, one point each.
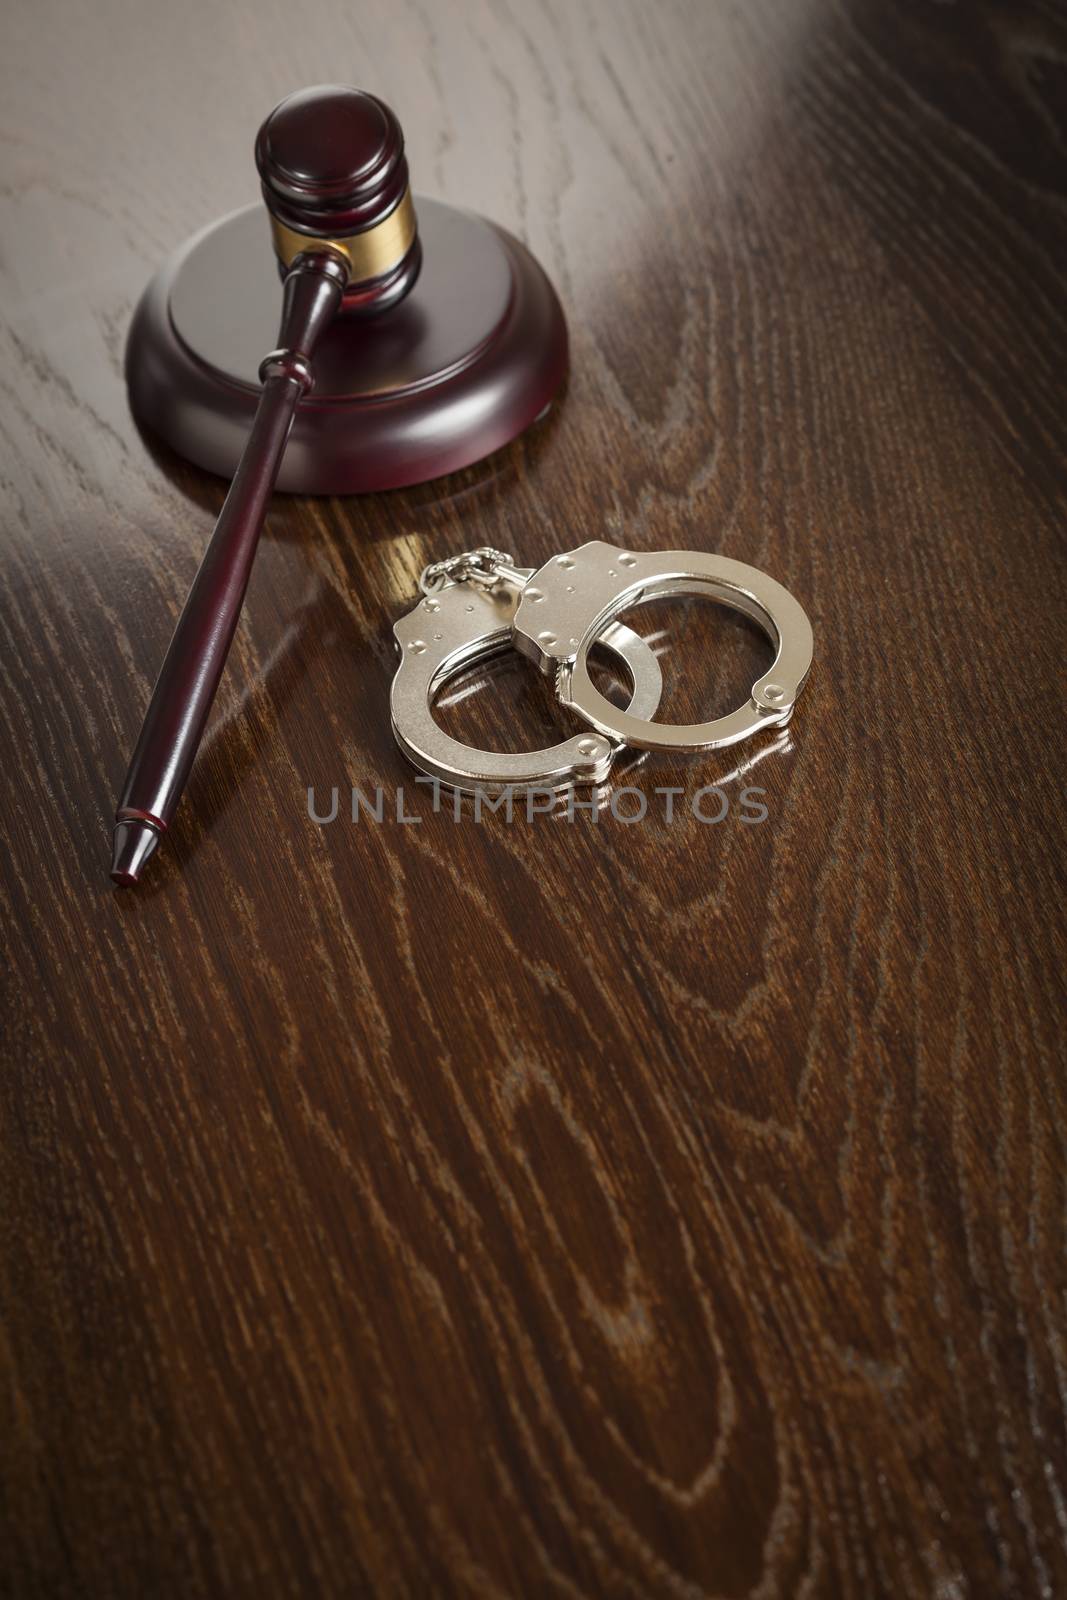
{"type": "Point", "coordinates": [370, 254]}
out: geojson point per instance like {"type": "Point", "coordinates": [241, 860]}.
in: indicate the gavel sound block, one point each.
{"type": "Point", "coordinates": [414, 339]}
{"type": "Point", "coordinates": [460, 353]}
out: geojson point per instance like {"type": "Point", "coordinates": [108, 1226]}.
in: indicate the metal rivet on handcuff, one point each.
{"type": "Point", "coordinates": [568, 603]}
{"type": "Point", "coordinates": [465, 616]}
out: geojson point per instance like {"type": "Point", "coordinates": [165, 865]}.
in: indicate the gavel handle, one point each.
{"type": "Point", "coordinates": [181, 700]}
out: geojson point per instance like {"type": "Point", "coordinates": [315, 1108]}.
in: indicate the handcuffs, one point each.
{"type": "Point", "coordinates": [479, 603]}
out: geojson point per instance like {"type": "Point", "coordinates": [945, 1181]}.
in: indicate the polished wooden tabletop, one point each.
{"type": "Point", "coordinates": [631, 1208]}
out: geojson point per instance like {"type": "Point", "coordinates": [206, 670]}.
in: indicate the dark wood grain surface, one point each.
{"type": "Point", "coordinates": [648, 1209]}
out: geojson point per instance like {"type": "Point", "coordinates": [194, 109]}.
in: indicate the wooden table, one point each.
{"type": "Point", "coordinates": [656, 1208]}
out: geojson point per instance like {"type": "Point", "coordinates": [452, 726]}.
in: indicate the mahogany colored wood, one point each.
{"type": "Point", "coordinates": [331, 160]}
{"type": "Point", "coordinates": [469, 359]}
{"type": "Point", "coordinates": [644, 1210]}
{"type": "Point", "coordinates": [196, 657]}
{"type": "Point", "coordinates": [331, 164]}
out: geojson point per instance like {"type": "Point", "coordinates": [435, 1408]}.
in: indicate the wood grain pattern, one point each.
{"type": "Point", "coordinates": [553, 1209]}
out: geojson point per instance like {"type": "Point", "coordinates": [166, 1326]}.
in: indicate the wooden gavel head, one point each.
{"type": "Point", "coordinates": [331, 162]}
{"type": "Point", "coordinates": [450, 341]}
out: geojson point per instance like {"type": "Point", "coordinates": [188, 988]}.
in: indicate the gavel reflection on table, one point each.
{"type": "Point", "coordinates": [415, 338]}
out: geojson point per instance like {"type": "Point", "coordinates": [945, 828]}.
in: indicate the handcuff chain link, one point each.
{"type": "Point", "coordinates": [484, 565]}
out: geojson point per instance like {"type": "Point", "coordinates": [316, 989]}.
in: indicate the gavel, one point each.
{"type": "Point", "coordinates": [343, 226]}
